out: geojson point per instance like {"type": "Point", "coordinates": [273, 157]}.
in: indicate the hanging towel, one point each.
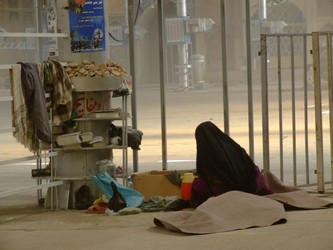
{"type": "Point", "coordinates": [57, 82]}
{"type": "Point", "coordinates": [24, 129]}
{"type": "Point", "coordinates": [35, 99]}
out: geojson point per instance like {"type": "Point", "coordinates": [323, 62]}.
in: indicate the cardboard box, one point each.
{"type": "Point", "coordinates": [155, 183]}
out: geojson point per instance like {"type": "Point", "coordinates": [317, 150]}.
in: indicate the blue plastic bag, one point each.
{"type": "Point", "coordinates": [103, 182]}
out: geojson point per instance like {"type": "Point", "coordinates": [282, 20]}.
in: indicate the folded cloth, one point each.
{"type": "Point", "coordinates": [129, 211]}
{"type": "Point", "coordinates": [157, 203]}
{"type": "Point", "coordinates": [230, 211]}
{"type": "Point", "coordinates": [300, 199]}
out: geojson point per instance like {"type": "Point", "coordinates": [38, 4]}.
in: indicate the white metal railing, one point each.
{"type": "Point", "coordinates": [28, 158]}
{"type": "Point", "coordinates": [50, 182]}
{"type": "Point", "coordinates": [33, 35]}
{"type": "Point", "coordinates": [322, 54]}
{"type": "Point", "coordinates": [291, 71]}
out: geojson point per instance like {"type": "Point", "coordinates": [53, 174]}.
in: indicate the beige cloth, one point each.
{"type": "Point", "coordinates": [300, 199]}
{"type": "Point", "coordinates": [237, 210]}
{"type": "Point", "coordinates": [24, 129]}
{"type": "Point", "coordinates": [230, 211]}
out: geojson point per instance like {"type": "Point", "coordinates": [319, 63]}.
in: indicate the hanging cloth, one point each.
{"type": "Point", "coordinates": [24, 129]}
{"type": "Point", "coordinates": [57, 82]}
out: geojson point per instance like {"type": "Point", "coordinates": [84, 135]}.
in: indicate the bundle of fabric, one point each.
{"type": "Point", "coordinates": [24, 128]}
{"type": "Point", "coordinates": [57, 82]}
{"type": "Point", "coordinates": [30, 116]}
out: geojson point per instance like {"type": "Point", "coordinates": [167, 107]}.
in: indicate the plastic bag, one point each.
{"type": "Point", "coordinates": [117, 201]}
{"type": "Point", "coordinates": [134, 136]}
{"type": "Point", "coordinates": [102, 180]}
{"type": "Point", "coordinates": [83, 198]}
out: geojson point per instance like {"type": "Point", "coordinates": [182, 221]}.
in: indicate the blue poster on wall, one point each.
{"type": "Point", "coordinates": [87, 29]}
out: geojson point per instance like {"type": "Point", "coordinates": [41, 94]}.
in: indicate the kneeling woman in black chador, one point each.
{"type": "Point", "coordinates": [223, 165]}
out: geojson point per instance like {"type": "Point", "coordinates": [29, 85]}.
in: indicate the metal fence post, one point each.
{"type": "Point", "coordinates": [318, 112]}
{"type": "Point", "coordinates": [330, 96]}
{"type": "Point", "coordinates": [264, 94]}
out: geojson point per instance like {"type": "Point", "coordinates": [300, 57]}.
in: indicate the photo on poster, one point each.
{"type": "Point", "coordinates": [87, 28]}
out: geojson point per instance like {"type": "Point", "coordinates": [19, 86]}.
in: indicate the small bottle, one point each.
{"type": "Point", "coordinates": [129, 182]}
{"type": "Point", "coordinates": [186, 186]}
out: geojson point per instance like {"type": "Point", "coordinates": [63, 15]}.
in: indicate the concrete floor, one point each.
{"type": "Point", "coordinates": [24, 225]}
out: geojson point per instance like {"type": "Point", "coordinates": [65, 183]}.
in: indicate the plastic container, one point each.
{"type": "Point", "coordinates": [186, 186]}
{"type": "Point", "coordinates": [107, 166]}
{"type": "Point", "coordinates": [129, 182]}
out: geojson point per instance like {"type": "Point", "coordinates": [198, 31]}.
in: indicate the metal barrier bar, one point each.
{"type": "Point", "coordinates": [292, 61]}
{"type": "Point", "coordinates": [280, 107]}
{"type": "Point", "coordinates": [318, 112]}
{"type": "Point", "coordinates": [6, 130]}
{"type": "Point", "coordinates": [162, 85]}
{"type": "Point", "coordinates": [28, 158]}
{"type": "Point", "coordinates": [264, 94]}
{"type": "Point", "coordinates": [249, 79]}
{"type": "Point", "coordinates": [34, 187]}
{"type": "Point", "coordinates": [281, 40]}
{"type": "Point", "coordinates": [330, 96]}
{"type": "Point", "coordinates": [224, 68]}
{"type": "Point", "coordinates": [305, 96]}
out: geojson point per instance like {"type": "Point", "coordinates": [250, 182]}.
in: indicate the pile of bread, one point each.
{"type": "Point", "coordinates": [91, 69]}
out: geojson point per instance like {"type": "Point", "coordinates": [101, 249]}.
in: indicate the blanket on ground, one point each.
{"type": "Point", "coordinates": [299, 200]}
{"type": "Point", "coordinates": [230, 211]}
{"type": "Point", "coordinates": [236, 210]}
